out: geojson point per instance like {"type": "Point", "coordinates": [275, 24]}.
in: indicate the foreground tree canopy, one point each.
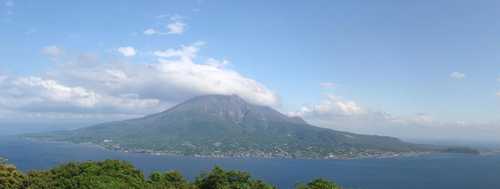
{"type": "Point", "coordinates": [111, 174]}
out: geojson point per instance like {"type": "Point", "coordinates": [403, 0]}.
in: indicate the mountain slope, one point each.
{"type": "Point", "coordinates": [218, 125]}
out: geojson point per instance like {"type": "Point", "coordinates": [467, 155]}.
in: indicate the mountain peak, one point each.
{"type": "Point", "coordinates": [235, 99]}
{"type": "Point", "coordinates": [208, 103]}
{"type": "Point", "coordinates": [230, 108]}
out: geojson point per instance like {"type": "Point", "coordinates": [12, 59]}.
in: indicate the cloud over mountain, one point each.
{"type": "Point", "coordinates": [85, 84]}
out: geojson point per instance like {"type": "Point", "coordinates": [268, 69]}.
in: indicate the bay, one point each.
{"type": "Point", "coordinates": [436, 171]}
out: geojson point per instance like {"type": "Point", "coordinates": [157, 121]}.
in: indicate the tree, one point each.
{"type": "Point", "coordinates": [319, 184]}
{"type": "Point", "coordinates": [220, 179]}
{"type": "Point", "coordinates": [114, 174]}
{"type": "Point", "coordinates": [10, 177]}
{"type": "Point", "coordinates": [169, 180]}
{"type": "Point", "coordinates": [89, 175]}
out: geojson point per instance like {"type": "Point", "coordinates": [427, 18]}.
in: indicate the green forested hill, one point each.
{"type": "Point", "coordinates": [113, 174]}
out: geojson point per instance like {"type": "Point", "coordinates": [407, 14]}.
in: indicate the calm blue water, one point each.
{"type": "Point", "coordinates": [433, 171]}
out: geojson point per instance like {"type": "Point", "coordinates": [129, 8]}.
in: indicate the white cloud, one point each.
{"type": "Point", "coordinates": [209, 79]}
{"type": "Point", "coordinates": [457, 75]}
{"type": "Point", "coordinates": [85, 85]}
{"type": "Point", "coordinates": [127, 51]}
{"type": "Point", "coordinates": [175, 26]}
{"type": "Point", "coordinates": [217, 63]}
{"type": "Point", "coordinates": [150, 31]}
{"type": "Point", "coordinates": [185, 53]}
{"type": "Point", "coordinates": [331, 106]}
{"type": "Point", "coordinates": [328, 85]}
{"type": "Point", "coordinates": [35, 94]}
{"type": "Point", "coordinates": [347, 115]}
{"type": "Point", "coordinates": [336, 113]}
{"type": "Point", "coordinates": [52, 51]}
{"type": "Point", "coordinates": [498, 94]}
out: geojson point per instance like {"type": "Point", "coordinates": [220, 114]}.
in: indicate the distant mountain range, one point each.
{"type": "Point", "coordinates": [228, 126]}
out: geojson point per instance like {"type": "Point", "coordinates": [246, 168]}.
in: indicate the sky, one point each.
{"type": "Point", "coordinates": [410, 69]}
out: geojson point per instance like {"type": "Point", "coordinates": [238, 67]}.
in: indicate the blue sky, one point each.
{"type": "Point", "coordinates": [321, 60]}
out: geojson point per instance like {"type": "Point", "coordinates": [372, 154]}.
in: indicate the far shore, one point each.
{"type": "Point", "coordinates": [391, 155]}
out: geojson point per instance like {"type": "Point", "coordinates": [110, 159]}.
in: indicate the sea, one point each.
{"type": "Point", "coordinates": [436, 171]}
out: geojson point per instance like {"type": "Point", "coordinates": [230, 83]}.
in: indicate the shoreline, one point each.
{"type": "Point", "coordinates": [386, 155]}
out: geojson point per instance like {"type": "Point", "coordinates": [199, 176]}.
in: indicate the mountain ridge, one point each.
{"type": "Point", "coordinates": [228, 126]}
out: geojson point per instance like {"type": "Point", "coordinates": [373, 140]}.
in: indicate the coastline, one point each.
{"type": "Point", "coordinates": [244, 155]}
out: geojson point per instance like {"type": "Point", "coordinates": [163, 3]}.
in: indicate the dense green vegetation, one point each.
{"type": "Point", "coordinates": [319, 184]}
{"type": "Point", "coordinates": [10, 177]}
{"type": "Point", "coordinates": [114, 174]}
